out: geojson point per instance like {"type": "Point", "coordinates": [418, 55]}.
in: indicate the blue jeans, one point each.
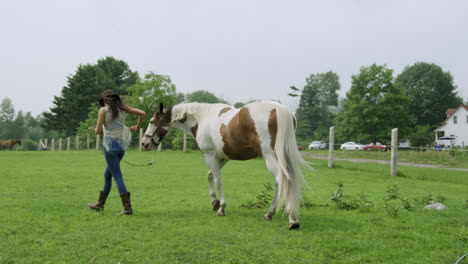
{"type": "Point", "coordinates": [113, 158]}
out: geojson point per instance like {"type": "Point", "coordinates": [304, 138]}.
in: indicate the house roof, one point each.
{"type": "Point", "coordinates": [449, 114]}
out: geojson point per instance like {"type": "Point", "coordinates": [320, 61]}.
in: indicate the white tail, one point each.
{"type": "Point", "coordinates": [290, 162]}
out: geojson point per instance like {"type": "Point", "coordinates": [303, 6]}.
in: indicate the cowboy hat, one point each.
{"type": "Point", "coordinates": [109, 94]}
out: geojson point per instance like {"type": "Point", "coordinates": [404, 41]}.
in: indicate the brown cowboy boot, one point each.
{"type": "Point", "coordinates": [126, 204]}
{"type": "Point", "coordinates": [99, 205]}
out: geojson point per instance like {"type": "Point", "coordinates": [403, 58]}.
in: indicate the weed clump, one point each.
{"type": "Point", "coordinates": [362, 202]}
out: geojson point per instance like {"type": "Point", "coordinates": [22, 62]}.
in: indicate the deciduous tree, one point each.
{"type": "Point", "coordinates": [431, 92]}
{"type": "Point", "coordinates": [373, 106]}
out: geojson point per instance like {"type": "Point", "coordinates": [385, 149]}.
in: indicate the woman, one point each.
{"type": "Point", "coordinates": [111, 124]}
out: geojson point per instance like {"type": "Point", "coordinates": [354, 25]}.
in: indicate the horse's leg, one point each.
{"type": "Point", "coordinates": [215, 166]}
{"type": "Point", "coordinates": [271, 165]}
{"type": "Point", "coordinates": [214, 202]}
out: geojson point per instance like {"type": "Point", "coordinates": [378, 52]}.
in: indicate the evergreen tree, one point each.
{"type": "Point", "coordinates": [317, 105]}
{"type": "Point", "coordinates": [83, 89]}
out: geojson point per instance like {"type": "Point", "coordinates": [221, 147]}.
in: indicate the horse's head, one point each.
{"type": "Point", "coordinates": [157, 128]}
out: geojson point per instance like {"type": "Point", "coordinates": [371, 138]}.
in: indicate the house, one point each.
{"type": "Point", "coordinates": [454, 130]}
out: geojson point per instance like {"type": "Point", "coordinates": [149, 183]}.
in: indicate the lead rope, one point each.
{"type": "Point", "coordinates": [142, 165]}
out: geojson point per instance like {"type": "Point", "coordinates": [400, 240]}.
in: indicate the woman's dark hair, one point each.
{"type": "Point", "coordinates": [115, 104]}
{"type": "Point", "coordinates": [113, 100]}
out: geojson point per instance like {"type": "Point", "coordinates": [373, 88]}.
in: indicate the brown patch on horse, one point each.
{"type": "Point", "coordinates": [240, 138]}
{"type": "Point", "coordinates": [272, 128]}
{"type": "Point", "coordinates": [194, 130]}
{"type": "Point", "coordinates": [224, 110]}
{"type": "Point", "coordinates": [163, 119]}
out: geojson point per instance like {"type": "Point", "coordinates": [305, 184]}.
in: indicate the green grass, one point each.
{"type": "Point", "coordinates": [44, 218]}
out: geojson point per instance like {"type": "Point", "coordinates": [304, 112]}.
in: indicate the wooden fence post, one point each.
{"type": "Point", "coordinates": [394, 157]}
{"type": "Point", "coordinates": [331, 147]}
{"type": "Point", "coordinates": [185, 142]}
{"type": "Point", "coordinates": [52, 144]}
{"type": "Point", "coordinates": [87, 141]}
{"type": "Point", "coordinates": [46, 143]}
{"type": "Point", "coordinates": [60, 144]}
{"type": "Point", "coordinates": [77, 143]}
{"type": "Point", "coordinates": [98, 139]}
{"type": "Point", "coordinates": [68, 143]}
{"type": "Point", "coordinates": [140, 138]}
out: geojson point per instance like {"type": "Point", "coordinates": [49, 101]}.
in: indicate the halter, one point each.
{"type": "Point", "coordinates": [154, 133]}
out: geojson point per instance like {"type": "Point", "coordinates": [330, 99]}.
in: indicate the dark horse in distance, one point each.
{"type": "Point", "coordinates": [8, 144]}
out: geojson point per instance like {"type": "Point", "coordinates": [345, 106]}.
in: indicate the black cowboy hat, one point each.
{"type": "Point", "coordinates": [107, 93]}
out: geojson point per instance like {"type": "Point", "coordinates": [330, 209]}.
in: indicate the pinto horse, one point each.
{"type": "Point", "coordinates": [9, 143]}
{"type": "Point", "coordinates": [223, 133]}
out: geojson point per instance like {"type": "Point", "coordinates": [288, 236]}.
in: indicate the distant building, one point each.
{"type": "Point", "coordinates": [454, 128]}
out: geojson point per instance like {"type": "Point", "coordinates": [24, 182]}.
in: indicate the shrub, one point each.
{"type": "Point", "coordinates": [28, 145]}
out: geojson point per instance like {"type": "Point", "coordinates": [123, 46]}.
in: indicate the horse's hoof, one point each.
{"type": "Point", "coordinates": [294, 226]}
{"type": "Point", "coordinates": [220, 213]}
{"type": "Point", "coordinates": [267, 216]}
{"type": "Point", "coordinates": [216, 204]}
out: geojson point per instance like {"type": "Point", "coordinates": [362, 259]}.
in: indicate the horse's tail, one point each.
{"type": "Point", "coordinates": [290, 163]}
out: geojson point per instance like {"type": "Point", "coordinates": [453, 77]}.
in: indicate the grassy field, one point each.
{"type": "Point", "coordinates": [44, 218]}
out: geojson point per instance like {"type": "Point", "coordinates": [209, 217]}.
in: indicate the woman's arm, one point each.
{"type": "Point", "coordinates": [100, 121]}
{"type": "Point", "coordinates": [140, 113]}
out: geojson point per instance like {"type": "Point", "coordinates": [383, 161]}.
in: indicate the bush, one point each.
{"type": "Point", "coordinates": [27, 145]}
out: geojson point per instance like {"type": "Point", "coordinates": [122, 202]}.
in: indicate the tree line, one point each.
{"type": "Point", "coordinates": [74, 111]}
{"type": "Point", "coordinates": [415, 102]}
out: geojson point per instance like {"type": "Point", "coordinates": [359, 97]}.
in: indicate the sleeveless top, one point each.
{"type": "Point", "coordinates": [115, 130]}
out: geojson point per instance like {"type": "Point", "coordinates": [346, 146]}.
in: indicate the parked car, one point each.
{"type": "Point", "coordinates": [351, 146]}
{"type": "Point", "coordinates": [405, 143]}
{"type": "Point", "coordinates": [377, 146]}
{"type": "Point", "coordinates": [317, 145]}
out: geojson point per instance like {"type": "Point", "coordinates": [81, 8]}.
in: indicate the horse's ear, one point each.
{"type": "Point", "coordinates": [161, 107]}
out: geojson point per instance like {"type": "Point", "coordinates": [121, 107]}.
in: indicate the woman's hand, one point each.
{"type": "Point", "coordinates": [134, 128]}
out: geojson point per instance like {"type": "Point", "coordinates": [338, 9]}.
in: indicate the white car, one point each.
{"type": "Point", "coordinates": [351, 146]}
{"type": "Point", "coordinates": [317, 145]}
{"type": "Point", "coordinates": [404, 144]}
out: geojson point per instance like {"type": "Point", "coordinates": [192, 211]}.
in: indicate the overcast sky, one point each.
{"type": "Point", "coordinates": [238, 50]}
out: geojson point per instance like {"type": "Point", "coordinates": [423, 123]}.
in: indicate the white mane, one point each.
{"type": "Point", "coordinates": [197, 110]}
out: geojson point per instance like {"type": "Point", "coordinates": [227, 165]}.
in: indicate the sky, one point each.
{"type": "Point", "coordinates": [239, 50]}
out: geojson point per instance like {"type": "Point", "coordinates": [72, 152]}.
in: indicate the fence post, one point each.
{"type": "Point", "coordinates": [77, 143]}
{"type": "Point", "coordinates": [68, 143]}
{"type": "Point", "coordinates": [46, 143]}
{"type": "Point", "coordinates": [160, 147]}
{"type": "Point", "coordinates": [60, 144]}
{"type": "Point", "coordinates": [185, 142]}
{"type": "Point", "coordinates": [87, 141]}
{"type": "Point", "coordinates": [394, 159]}
{"type": "Point", "coordinates": [331, 147]}
{"type": "Point", "coordinates": [98, 138]}
{"type": "Point", "coordinates": [52, 144]}
{"type": "Point", "coordinates": [139, 139]}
